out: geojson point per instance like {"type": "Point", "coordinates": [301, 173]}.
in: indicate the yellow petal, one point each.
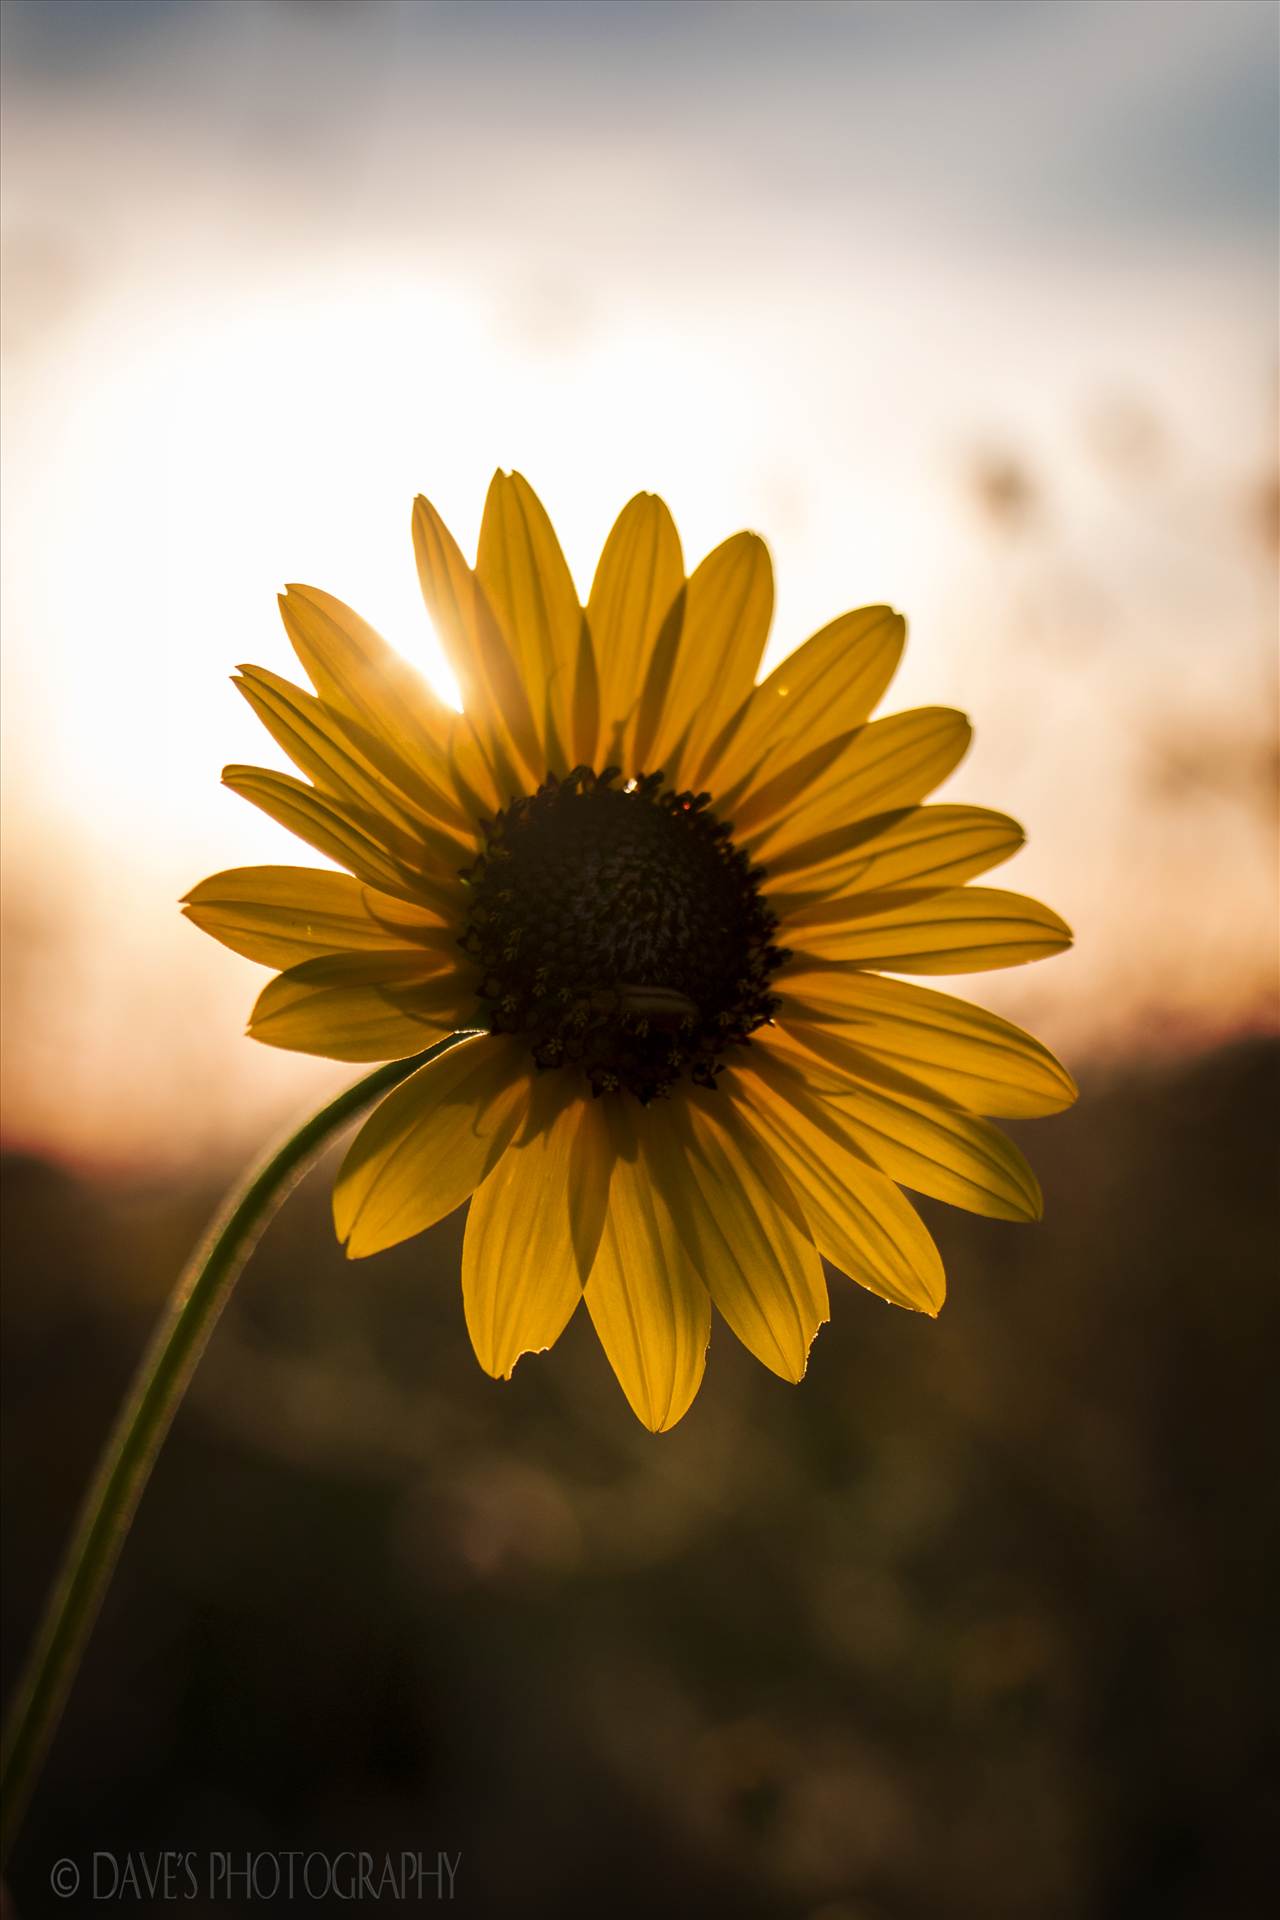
{"type": "Point", "coordinates": [808, 866]}
{"type": "Point", "coordinates": [591, 1164]}
{"type": "Point", "coordinates": [827, 687]}
{"type": "Point", "coordinates": [363, 1006]}
{"type": "Point", "coordinates": [859, 1220]}
{"type": "Point", "coordinates": [910, 1137]}
{"type": "Point", "coordinates": [969, 1056]}
{"type": "Point", "coordinates": [742, 1224]}
{"type": "Point", "coordinates": [728, 607]}
{"type": "Point", "coordinates": [773, 796]}
{"type": "Point", "coordinates": [473, 768]}
{"type": "Point", "coordinates": [520, 1279]}
{"type": "Point", "coordinates": [889, 763]}
{"type": "Point", "coordinates": [528, 584]}
{"type": "Point", "coordinates": [374, 688]}
{"type": "Point", "coordinates": [487, 673]}
{"type": "Point", "coordinates": [646, 1300]}
{"type": "Point", "coordinates": [429, 1144]}
{"type": "Point", "coordinates": [318, 742]}
{"type": "Point", "coordinates": [924, 847]}
{"type": "Point", "coordinates": [962, 930]}
{"type": "Point", "coordinates": [637, 583]}
{"type": "Point", "coordinates": [282, 915]}
{"type": "Point", "coordinates": [340, 832]}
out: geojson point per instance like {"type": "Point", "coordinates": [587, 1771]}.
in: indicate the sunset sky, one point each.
{"type": "Point", "coordinates": [969, 306]}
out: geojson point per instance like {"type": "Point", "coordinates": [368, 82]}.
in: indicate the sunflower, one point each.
{"type": "Point", "coordinates": [661, 902]}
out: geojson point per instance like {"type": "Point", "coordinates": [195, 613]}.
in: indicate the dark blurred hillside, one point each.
{"type": "Point", "coordinates": [980, 1622]}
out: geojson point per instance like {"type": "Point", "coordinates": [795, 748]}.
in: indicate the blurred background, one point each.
{"type": "Point", "coordinates": [968, 306]}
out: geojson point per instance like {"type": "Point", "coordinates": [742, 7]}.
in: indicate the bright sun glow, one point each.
{"type": "Point", "coordinates": [221, 460]}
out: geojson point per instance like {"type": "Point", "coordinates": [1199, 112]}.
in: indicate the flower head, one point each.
{"type": "Point", "coordinates": [663, 899]}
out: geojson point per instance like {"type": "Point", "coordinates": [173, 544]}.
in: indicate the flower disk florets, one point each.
{"type": "Point", "coordinates": [621, 931]}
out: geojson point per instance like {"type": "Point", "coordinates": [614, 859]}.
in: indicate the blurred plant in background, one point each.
{"type": "Point", "coordinates": [980, 1623]}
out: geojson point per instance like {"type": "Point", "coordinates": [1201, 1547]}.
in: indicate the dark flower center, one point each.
{"type": "Point", "coordinates": [621, 930]}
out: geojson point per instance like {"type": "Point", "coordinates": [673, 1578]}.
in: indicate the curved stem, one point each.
{"type": "Point", "coordinates": [124, 1468]}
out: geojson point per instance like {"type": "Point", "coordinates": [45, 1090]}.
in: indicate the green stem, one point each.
{"type": "Point", "coordinates": [203, 1289]}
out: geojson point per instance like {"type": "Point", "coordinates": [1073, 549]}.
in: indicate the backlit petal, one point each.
{"type": "Point", "coordinates": [728, 607]}
{"type": "Point", "coordinates": [828, 686]}
{"type": "Point", "coordinates": [375, 689]}
{"type": "Point", "coordinates": [412, 825]}
{"type": "Point", "coordinates": [363, 1006]}
{"type": "Point", "coordinates": [520, 1279]}
{"type": "Point", "coordinates": [647, 1302]}
{"type": "Point", "coordinates": [859, 1220]}
{"type": "Point", "coordinates": [344, 834]}
{"type": "Point", "coordinates": [283, 915]}
{"type": "Point", "coordinates": [429, 1144]}
{"type": "Point", "coordinates": [933, 1149]}
{"type": "Point", "coordinates": [528, 584]}
{"type": "Point", "coordinates": [493, 694]}
{"type": "Point", "coordinates": [636, 587]}
{"type": "Point", "coordinates": [923, 847]}
{"type": "Point", "coordinates": [967, 1055]}
{"type": "Point", "coordinates": [895, 762]}
{"type": "Point", "coordinates": [744, 1228]}
{"type": "Point", "coordinates": [962, 930]}
{"type": "Point", "coordinates": [591, 1163]}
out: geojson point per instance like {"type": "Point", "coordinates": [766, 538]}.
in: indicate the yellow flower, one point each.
{"type": "Point", "coordinates": [667, 898]}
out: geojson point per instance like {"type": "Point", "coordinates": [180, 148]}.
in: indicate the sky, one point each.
{"type": "Point", "coordinates": [969, 306]}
